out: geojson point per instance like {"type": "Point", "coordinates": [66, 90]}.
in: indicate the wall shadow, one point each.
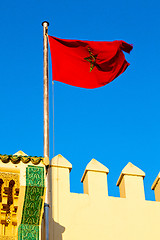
{"type": "Point", "coordinates": [55, 230]}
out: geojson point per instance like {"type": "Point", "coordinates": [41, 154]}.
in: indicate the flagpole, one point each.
{"type": "Point", "coordinates": [46, 123]}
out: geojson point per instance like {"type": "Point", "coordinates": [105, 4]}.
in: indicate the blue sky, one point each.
{"type": "Point", "coordinates": [114, 124]}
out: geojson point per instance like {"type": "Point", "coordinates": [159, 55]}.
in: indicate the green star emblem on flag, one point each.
{"type": "Point", "coordinates": [91, 59]}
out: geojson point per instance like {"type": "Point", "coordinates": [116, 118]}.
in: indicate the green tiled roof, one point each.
{"type": "Point", "coordinates": [17, 158]}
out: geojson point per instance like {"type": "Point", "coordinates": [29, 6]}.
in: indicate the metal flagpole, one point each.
{"type": "Point", "coordinates": [46, 123]}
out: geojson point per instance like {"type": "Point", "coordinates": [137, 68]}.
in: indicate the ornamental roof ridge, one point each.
{"type": "Point", "coordinates": [15, 159]}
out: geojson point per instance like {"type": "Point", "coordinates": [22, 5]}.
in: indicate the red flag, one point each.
{"type": "Point", "coordinates": [87, 64]}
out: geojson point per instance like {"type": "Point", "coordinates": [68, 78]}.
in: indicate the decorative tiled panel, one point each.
{"type": "Point", "coordinates": [29, 227]}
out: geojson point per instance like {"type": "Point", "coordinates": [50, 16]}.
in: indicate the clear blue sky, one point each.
{"type": "Point", "coordinates": [114, 124]}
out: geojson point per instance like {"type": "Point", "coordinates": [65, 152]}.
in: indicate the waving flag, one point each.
{"type": "Point", "coordinates": [87, 64]}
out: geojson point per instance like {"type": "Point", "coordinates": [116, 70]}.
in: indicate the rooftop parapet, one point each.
{"type": "Point", "coordinates": [94, 215]}
{"type": "Point", "coordinates": [95, 179]}
{"type": "Point", "coordinates": [130, 182]}
{"type": "Point", "coordinates": [60, 161]}
{"type": "Point", "coordinates": [61, 168]}
{"type": "Point", "coordinates": [60, 183]}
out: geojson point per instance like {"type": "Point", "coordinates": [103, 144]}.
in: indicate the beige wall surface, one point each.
{"type": "Point", "coordinates": [95, 215]}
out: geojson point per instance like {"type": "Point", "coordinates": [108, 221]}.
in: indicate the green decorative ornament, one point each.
{"type": "Point", "coordinates": [29, 227]}
{"type": "Point", "coordinates": [26, 159]}
{"type": "Point", "coordinates": [5, 158]}
{"type": "Point", "coordinates": [91, 59]}
{"type": "Point", "coordinates": [36, 160]}
{"type": "Point", "coordinates": [15, 159]}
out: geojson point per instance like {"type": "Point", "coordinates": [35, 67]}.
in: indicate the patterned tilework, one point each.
{"type": "Point", "coordinates": [29, 227]}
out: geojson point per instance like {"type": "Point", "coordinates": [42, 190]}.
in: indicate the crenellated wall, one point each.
{"type": "Point", "coordinates": [95, 215]}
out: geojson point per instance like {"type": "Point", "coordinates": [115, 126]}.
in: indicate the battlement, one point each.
{"type": "Point", "coordinates": [94, 179]}
{"type": "Point", "coordinates": [93, 214]}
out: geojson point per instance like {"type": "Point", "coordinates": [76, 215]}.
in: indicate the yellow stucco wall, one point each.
{"type": "Point", "coordinates": [95, 215]}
